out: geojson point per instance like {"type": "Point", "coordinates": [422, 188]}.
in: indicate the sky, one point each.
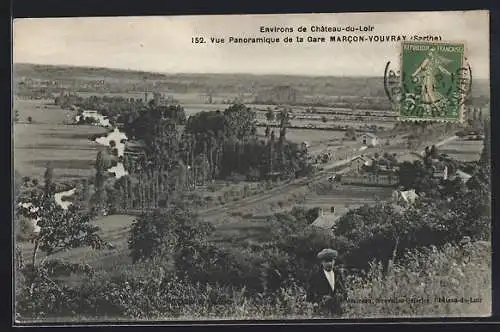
{"type": "Point", "coordinates": [164, 43]}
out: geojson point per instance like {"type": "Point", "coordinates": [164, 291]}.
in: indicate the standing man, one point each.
{"type": "Point", "coordinates": [326, 286]}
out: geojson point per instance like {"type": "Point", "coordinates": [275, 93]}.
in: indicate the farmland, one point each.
{"type": "Point", "coordinates": [49, 139]}
{"type": "Point", "coordinates": [308, 135]}
{"type": "Point", "coordinates": [463, 150]}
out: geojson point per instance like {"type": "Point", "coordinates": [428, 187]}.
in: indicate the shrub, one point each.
{"type": "Point", "coordinates": [430, 273]}
{"type": "Point", "coordinates": [166, 233]}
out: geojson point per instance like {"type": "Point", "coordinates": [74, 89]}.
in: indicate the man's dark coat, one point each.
{"type": "Point", "coordinates": [319, 289]}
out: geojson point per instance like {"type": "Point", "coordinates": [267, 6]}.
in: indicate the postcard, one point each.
{"type": "Point", "coordinates": [251, 167]}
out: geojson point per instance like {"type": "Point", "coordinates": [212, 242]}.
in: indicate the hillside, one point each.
{"type": "Point", "coordinates": [245, 83]}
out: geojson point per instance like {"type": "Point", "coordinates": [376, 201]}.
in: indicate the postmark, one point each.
{"type": "Point", "coordinates": [432, 83]}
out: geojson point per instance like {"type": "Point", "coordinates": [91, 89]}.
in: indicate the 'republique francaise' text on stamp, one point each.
{"type": "Point", "coordinates": [434, 81]}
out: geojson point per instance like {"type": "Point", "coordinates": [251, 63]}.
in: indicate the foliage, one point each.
{"type": "Point", "coordinates": [427, 274]}
{"type": "Point", "coordinates": [158, 294]}
{"type": "Point", "coordinates": [270, 116]}
{"type": "Point", "coordinates": [166, 233]}
{"type": "Point", "coordinates": [60, 229]}
{"type": "Point", "coordinates": [87, 120]}
{"type": "Point", "coordinates": [382, 231]}
{"type": "Point", "coordinates": [416, 176]}
{"type": "Point", "coordinates": [485, 158]}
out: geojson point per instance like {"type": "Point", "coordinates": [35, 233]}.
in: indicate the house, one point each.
{"type": "Point", "coordinates": [440, 170]}
{"type": "Point", "coordinates": [473, 135]}
{"type": "Point", "coordinates": [406, 197]}
{"type": "Point", "coordinates": [358, 162]}
{"type": "Point", "coordinates": [386, 169]}
{"type": "Point", "coordinates": [273, 176]}
{"type": "Point", "coordinates": [369, 139]}
{"type": "Point", "coordinates": [465, 177]}
{"type": "Point", "coordinates": [326, 220]}
{"type": "Point", "coordinates": [101, 119]}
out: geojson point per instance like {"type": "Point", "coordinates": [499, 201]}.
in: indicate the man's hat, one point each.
{"type": "Point", "coordinates": [327, 254]}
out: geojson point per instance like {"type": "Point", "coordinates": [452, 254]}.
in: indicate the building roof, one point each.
{"type": "Point", "coordinates": [464, 176]}
{"type": "Point", "coordinates": [326, 220]}
{"type": "Point", "coordinates": [409, 196]}
{"type": "Point", "coordinates": [366, 160]}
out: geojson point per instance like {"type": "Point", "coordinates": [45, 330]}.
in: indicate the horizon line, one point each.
{"type": "Point", "coordinates": [197, 73]}
{"type": "Point", "coordinates": [184, 73]}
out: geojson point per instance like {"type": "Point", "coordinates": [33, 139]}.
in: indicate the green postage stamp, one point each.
{"type": "Point", "coordinates": [434, 81]}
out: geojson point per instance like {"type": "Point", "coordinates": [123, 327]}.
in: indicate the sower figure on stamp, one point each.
{"type": "Point", "coordinates": [427, 73]}
{"type": "Point", "coordinates": [326, 286]}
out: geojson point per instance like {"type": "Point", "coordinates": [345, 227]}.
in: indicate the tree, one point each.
{"type": "Point", "coordinates": [30, 119]}
{"type": "Point", "coordinates": [350, 133]}
{"type": "Point", "coordinates": [284, 118]}
{"type": "Point", "coordinates": [485, 159]}
{"type": "Point", "coordinates": [270, 115]}
{"type": "Point", "coordinates": [100, 177]}
{"type": "Point", "coordinates": [48, 177]}
{"type": "Point", "coordinates": [434, 152]}
{"type": "Point", "coordinates": [166, 233]}
{"type": "Point", "coordinates": [60, 230]}
{"type": "Point", "coordinates": [416, 176]}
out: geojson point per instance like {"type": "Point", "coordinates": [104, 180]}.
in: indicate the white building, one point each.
{"type": "Point", "coordinates": [358, 162]}
{"type": "Point", "coordinates": [407, 197]}
{"type": "Point", "coordinates": [369, 139]}
{"type": "Point", "coordinates": [101, 119]}
{"type": "Point", "coordinates": [327, 220]}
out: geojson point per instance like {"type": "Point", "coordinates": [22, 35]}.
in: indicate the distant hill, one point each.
{"type": "Point", "coordinates": [308, 85]}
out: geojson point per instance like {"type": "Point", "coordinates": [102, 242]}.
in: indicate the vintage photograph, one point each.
{"type": "Point", "coordinates": [251, 167]}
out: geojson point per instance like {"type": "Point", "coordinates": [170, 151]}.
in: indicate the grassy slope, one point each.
{"type": "Point", "coordinates": [451, 272]}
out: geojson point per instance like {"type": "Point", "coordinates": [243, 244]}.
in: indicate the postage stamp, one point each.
{"type": "Point", "coordinates": [434, 81]}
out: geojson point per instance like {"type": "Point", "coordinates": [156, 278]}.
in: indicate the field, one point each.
{"type": "Point", "coordinates": [48, 139]}
{"type": "Point", "coordinates": [311, 136]}
{"type": "Point", "coordinates": [463, 150]}
{"type": "Point", "coordinates": [42, 112]}
{"type": "Point", "coordinates": [194, 99]}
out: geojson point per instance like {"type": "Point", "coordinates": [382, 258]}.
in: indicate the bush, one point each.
{"type": "Point", "coordinates": [158, 295]}
{"type": "Point", "coordinates": [451, 271]}
{"type": "Point", "coordinates": [166, 233]}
